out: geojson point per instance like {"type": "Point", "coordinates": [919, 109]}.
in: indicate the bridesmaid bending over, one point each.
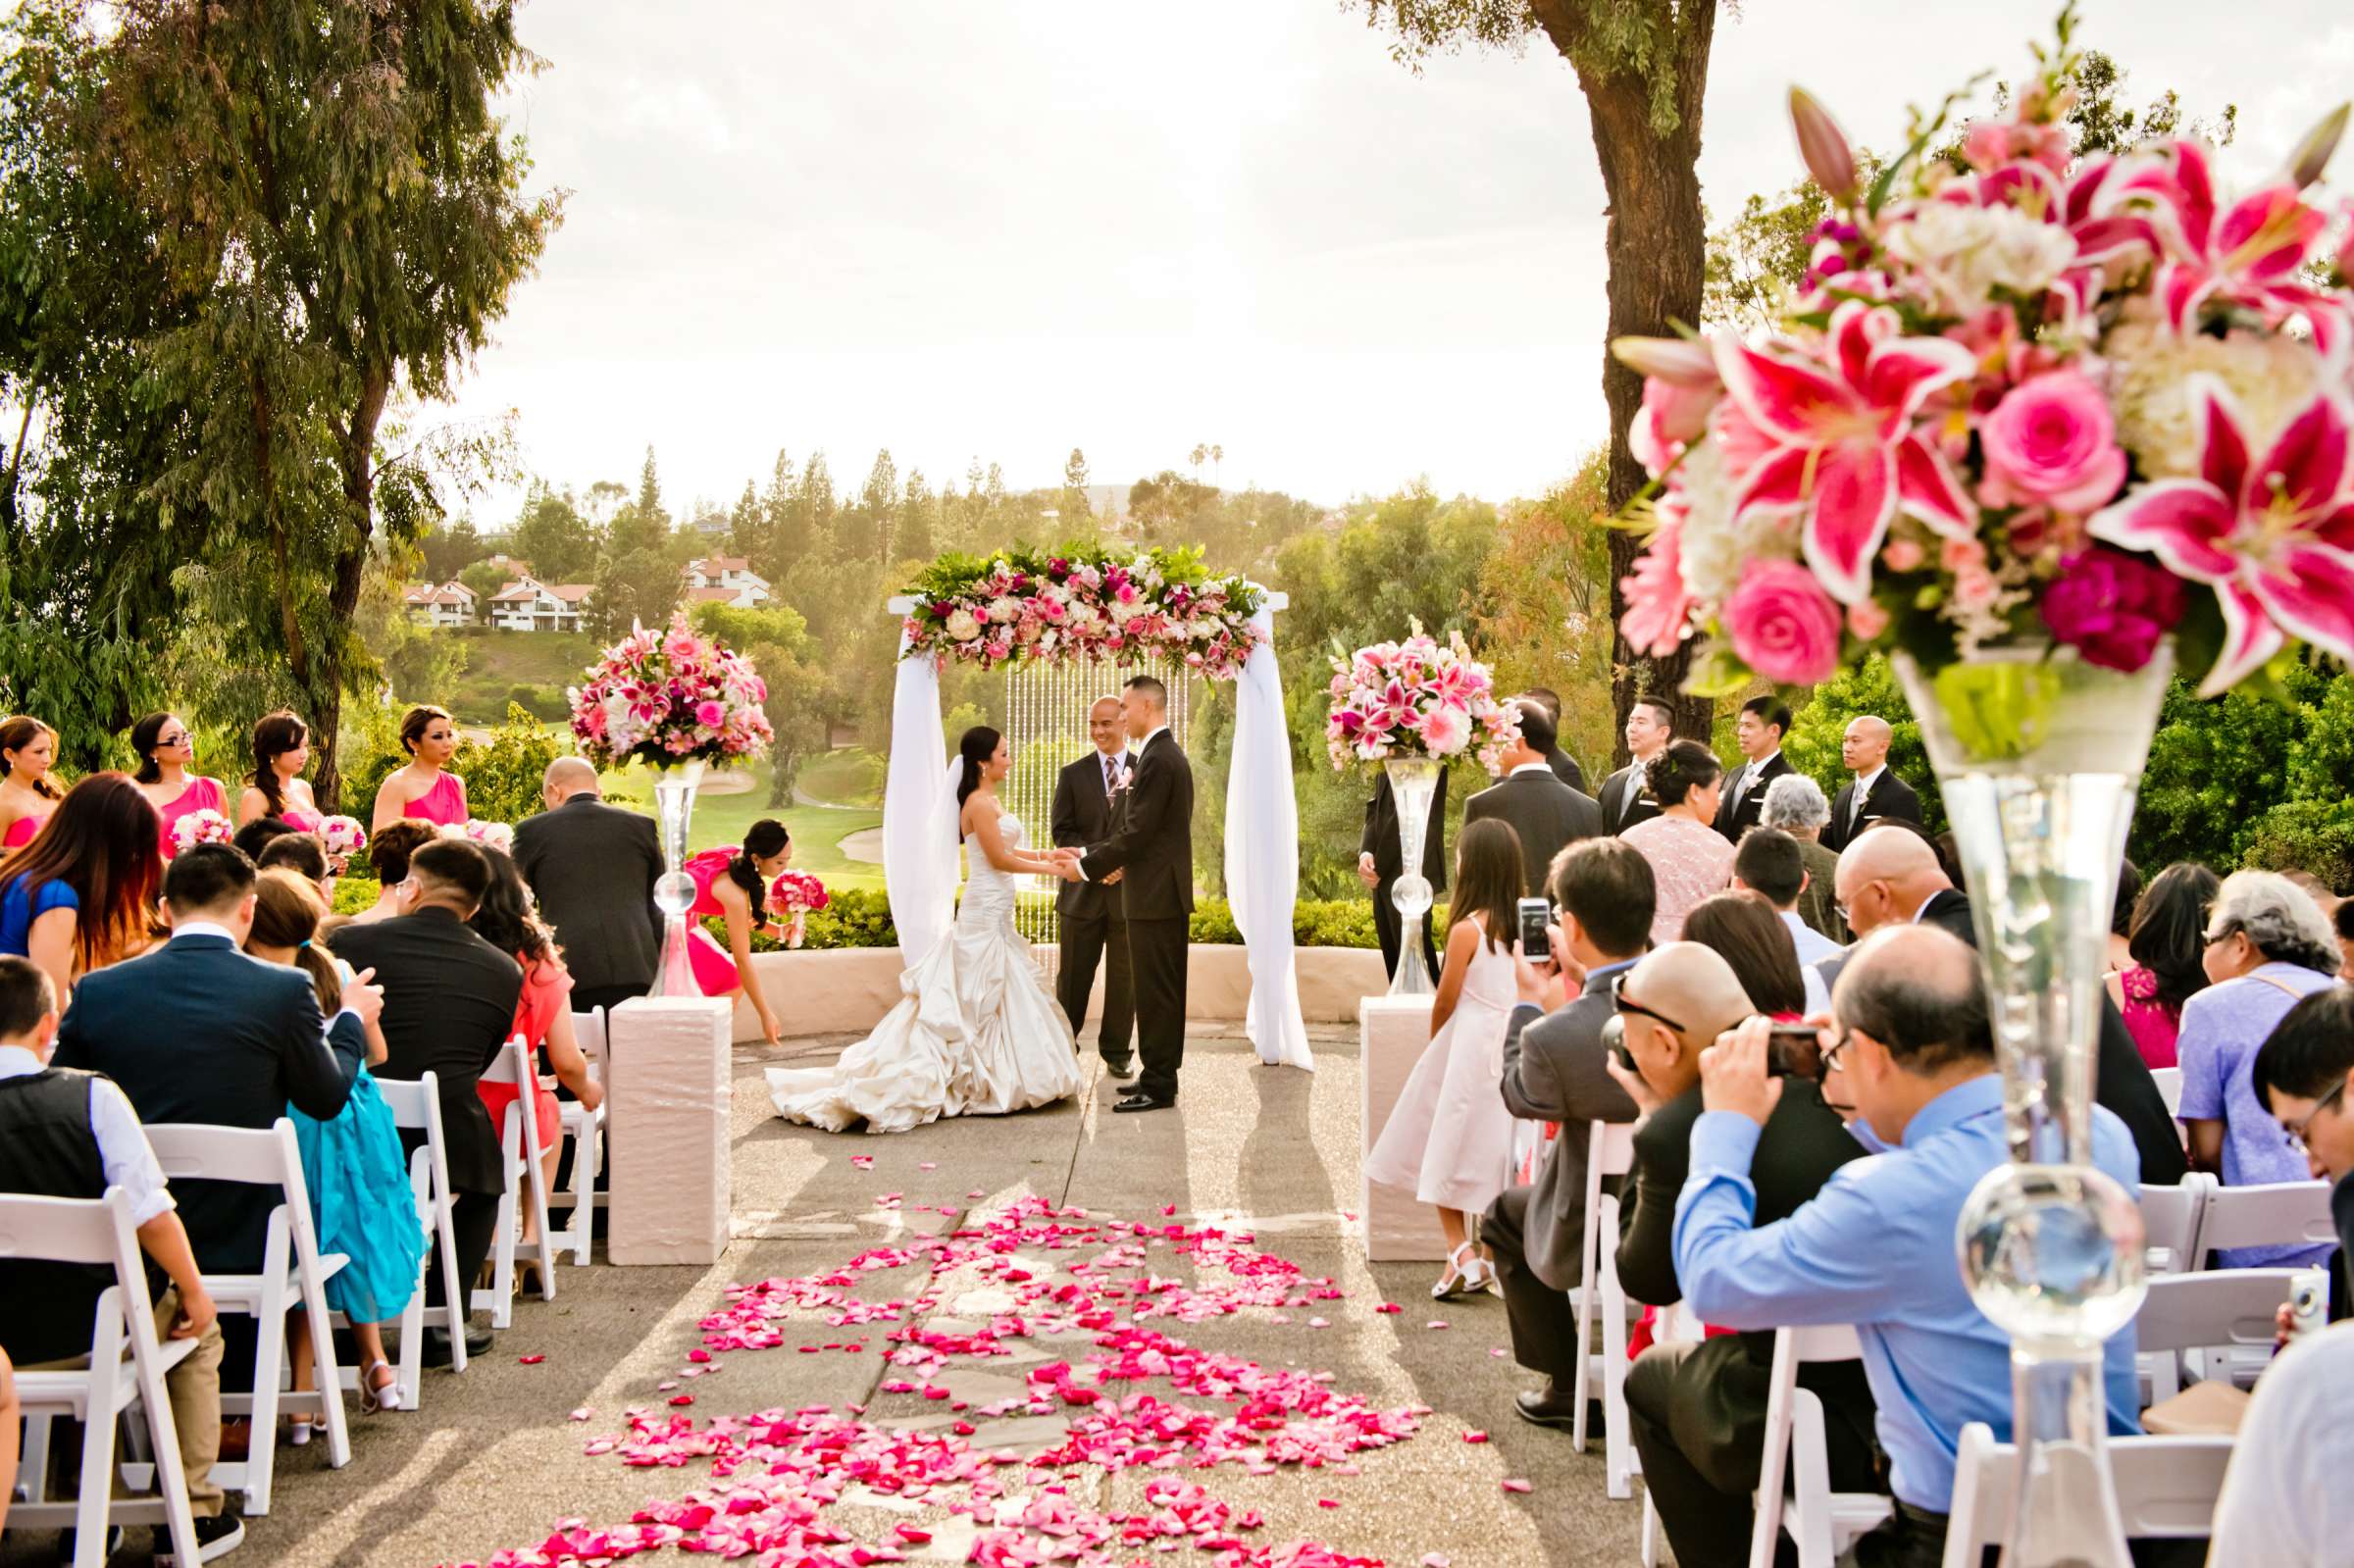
{"type": "Point", "coordinates": [167, 778]}
{"type": "Point", "coordinates": [733, 883]}
{"type": "Point", "coordinates": [281, 750]}
{"type": "Point", "coordinates": [27, 751]}
{"type": "Point", "coordinates": [424, 789]}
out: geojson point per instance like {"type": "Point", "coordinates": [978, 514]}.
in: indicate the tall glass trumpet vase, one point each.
{"type": "Point", "coordinates": [2039, 755]}
{"type": "Point", "coordinates": [674, 894]}
{"type": "Point", "coordinates": [1414, 786]}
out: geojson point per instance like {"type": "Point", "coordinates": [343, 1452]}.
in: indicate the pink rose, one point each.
{"type": "Point", "coordinates": [2052, 440]}
{"type": "Point", "coordinates": [2112, 606]}
{"type": "Point", "coordinates": [1902, 555]}
{"type": "Point", "coordinates": [710, 715]}
{"type": "Point", "coordinates": [1783, 625]}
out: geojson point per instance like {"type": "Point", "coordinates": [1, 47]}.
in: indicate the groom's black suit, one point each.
{"type": "Point", "coordinates": [1153, 844]}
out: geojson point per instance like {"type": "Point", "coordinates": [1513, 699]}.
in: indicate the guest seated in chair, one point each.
{"type": "Point", "coordinates": [450, 1005]}
{"type": "Point", "coordinates": [66, 1134]}
{"type": "Point", "coordinates": [1911, 1054]}
{"type": "Point", "coordinates": [1552, 1072]}
{"type": "Point", "coordinates": [1698, 1407]}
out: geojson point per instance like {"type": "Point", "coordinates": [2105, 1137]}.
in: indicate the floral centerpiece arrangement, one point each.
{"type": "Point", "coordinates": [796, 893]}
{"type": "Point", "coordinates": [1416, 698]}
{"type": "Point", "coordinates": [200, 828]}
{"type": "Point", "coordinates": [1091, 604]}
{"type": "Point", "coordinates": [668, 698]}
{"type": "Point", "coordinates": [2020, 397]}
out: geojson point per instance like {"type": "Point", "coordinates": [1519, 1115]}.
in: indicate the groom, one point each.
{"type": "Point", "coordinates": [1151, 848]}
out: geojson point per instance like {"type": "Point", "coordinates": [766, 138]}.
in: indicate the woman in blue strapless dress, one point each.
{"type": "Point", "coordinates": [361, 1202]}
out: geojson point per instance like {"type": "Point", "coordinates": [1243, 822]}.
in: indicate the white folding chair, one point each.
{"type": "Point", "coordinates": [2166, 1487]}
{"type": "Point", "coordinates": [1794, 1477]}
{"type": "Point", "coordinates": [2274, 1214]}
{"type": "Point", "coordinates": [2170, 1218]}
{"type": "Point", "coordinates": [1610, 1152]}
{"type": "Point", "coordinates": [525, 1183]}
{"type": "Point", "coordinates": [2170, 1088]}
{"type": "Point", "coordinates": [293, 1277]}
{"type": "Point", "coordinates": [2232, 1310]}
{"type": "Point", "coordinates": [127, 1370]}
{"type": "Point", "coordinates": [586, 1130]}
{"type": "Point", "coordinates": [417, 1107]}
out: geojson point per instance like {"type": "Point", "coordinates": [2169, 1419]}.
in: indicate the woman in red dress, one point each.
{"type": "Point", "coordinates": [281, 750]}
{"type": "Point", "coordinates": [509, 921]}
{"type": "Point", "coordinates": [424, 789]}
{"type": "Point", "coordinates": [167, 774]}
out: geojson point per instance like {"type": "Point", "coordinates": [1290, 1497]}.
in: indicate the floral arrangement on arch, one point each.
{"type": "Point", "coordinates": [1416, 698]}
{"type": "Point", "coordinates": [2022, 398]}
{"type": "Point", "coordinates": [1089, 604]}
{"type": "Point", "coordinates": [667, 697]}
{"type": "Point", "coordinates": [200, 828]}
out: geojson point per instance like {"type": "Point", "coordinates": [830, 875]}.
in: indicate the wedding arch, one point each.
{"type": "Point", "coordinates": [1066, 627]}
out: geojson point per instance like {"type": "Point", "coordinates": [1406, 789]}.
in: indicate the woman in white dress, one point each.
{"type": "Point", "coordinates": [975, 1032]}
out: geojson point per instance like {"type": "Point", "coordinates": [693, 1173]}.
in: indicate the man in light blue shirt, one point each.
{"type": "Point", "coordinates": [1912, 1055]}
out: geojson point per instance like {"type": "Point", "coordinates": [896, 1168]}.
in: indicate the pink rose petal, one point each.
{"type": "Point", "coordinates": [1515, 1483]}
{"type": "Point", "coordinates": [529, 1360]}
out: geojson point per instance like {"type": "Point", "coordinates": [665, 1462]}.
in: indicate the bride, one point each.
{"type": "Point", "coordinates": [975, 1032]}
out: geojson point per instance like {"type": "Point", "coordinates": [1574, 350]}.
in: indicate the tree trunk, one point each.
{"type": "Point", "coordinates": [1656, 242]}
{"type": "Point", "coordinates": [343, 592]}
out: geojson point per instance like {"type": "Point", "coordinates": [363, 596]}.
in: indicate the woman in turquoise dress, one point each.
{"type": "Point", "coordinates": [361, 1203]}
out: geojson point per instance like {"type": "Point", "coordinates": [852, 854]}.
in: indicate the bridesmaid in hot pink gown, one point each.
{"type": "Point", "coordinates": [719, 971]}
{"type": "Point", "coordinates": [27, 748]}
{"type": "Point", "coordinates": [166, 777]}
{"type": "Point", "coordinates": [424, 789]}
{"type": "Point", "coordinates": [281, 750]}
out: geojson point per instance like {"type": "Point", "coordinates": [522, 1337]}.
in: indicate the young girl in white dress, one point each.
{"type": "Point", "coordinates": [1449, 1139]}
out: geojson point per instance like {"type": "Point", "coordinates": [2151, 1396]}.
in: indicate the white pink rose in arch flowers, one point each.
{"type": "Point", "coordinates": [2022, 398]}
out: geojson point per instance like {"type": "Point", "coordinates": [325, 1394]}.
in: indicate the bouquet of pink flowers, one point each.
{"type": "Point", "coordinates": [2022, 399]}
{"type": "Point", "coordinates": [670, 697]}
{"type": "Point", "coordinates": [1095, 606]}
{"type": "Point", "coordinates": [496, 835]}
{"type": "Point", "coordinates": [200, 828]}
{"type": "Point", "coordinates": [1416, 698]}
{"type": "Point", "coordinates": [342, 835]}
{"type": "Point", "coordinates": [797, 892]}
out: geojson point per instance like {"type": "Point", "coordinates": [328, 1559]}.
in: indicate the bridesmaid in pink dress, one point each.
{"type": "Point", "coordinates": [27, 748]}
{"type": "Point", "coordinates": [424, 789]}
{"type": "Point", "coordinates": [719, 890]}
{"type": "Point", "coordinates": [281, 750]}
{"type": "Point", "coordinates": [167, 757]}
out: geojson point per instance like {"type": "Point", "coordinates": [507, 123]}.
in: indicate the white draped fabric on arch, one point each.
{"type": "Point", "coordinates": [1262, 833]}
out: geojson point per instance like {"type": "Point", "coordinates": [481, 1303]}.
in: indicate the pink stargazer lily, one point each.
{"type": "Point", "coordinates": [1846, 451]}
{"type": "Point", "coordinates": [2274, 537]}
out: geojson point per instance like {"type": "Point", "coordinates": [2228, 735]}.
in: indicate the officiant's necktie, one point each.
{"type": "Point", "coordinates": [1112, 775]}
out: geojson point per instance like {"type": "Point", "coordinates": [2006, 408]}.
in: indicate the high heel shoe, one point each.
{"type": "Point", "coordinates": [375, 1395]}
{"type": "Point", "coordinates": [1461, 1276]}
{"type": "Point", "coordinates": [531, 1268]}
{"type": "Point", "coordinates": [298, 1432]}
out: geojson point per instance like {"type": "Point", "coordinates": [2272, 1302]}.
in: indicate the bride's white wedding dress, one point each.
{"type": "Point", "coordinates": [975, 1032]}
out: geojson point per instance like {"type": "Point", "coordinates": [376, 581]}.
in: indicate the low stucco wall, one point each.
{"type": "Point", "coordinates": [847, 990]}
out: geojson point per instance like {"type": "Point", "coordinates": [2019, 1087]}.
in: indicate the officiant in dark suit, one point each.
{"type": "Point", "coordinates": [592, 868]}
{"type": "Point", "coordinates": [1547, 814]}
{"type": "Point", "coordinates": [1380, 862]}
{"type": "Point", "coordinates": [1874, 794]}
{"type": "Point", "coordinates": [1150, 853]}
{"type": "Point", "coordinates": [1095, 928]}
{"type": "Point", "coordinates": [1758, 733]}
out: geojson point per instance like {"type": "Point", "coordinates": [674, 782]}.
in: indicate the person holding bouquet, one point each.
{"type": "Point", "coordinates": [352, 1163]}
{"type": "Point", "coordinates": [733, 885]}
{"type": "Point", "coordinates": [167, 753]}
{"type": "Point", "coordinates": [424, 789]}
{"type": "Point", "coordinates": [389, 855]}
{"type": "Point", "coordinates": [27, 749]}
{"type": "Point", "coordinates": [1449, 1139]}
{"type": "Point", "coordinates": [281, 750]}
{"type": "Point", "coordinates": [82, 894]}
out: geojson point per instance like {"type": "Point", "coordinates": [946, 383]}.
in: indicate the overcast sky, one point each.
{"type": "Point", "coordinates": [1006, 228]}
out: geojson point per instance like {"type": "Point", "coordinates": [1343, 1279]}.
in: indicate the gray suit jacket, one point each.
{"type": "Point", "coordinates": [1547, 814]}
{"type": "Point", "coordinates": [1552, 1072]}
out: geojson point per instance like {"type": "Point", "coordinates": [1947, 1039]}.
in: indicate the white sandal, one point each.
{"type": "Point", "coordinates": [375, 1397]}
{"type": "Point", "coordinates": [1461, 1276]}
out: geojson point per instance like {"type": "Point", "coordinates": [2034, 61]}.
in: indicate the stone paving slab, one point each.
{"type": "Point", "coordinates": [493, 1460]}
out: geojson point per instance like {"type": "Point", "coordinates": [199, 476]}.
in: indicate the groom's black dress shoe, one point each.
{"type": "Point", "coordinates": [1146, 1102]}
{"type": "Point", "coordinates": [1121, 1071]}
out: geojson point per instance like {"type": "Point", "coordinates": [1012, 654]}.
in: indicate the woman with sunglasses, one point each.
{"type": "Point", "coordinates": [167, 752]}
{"type": "Point", "coordinates": [1448, 1138]}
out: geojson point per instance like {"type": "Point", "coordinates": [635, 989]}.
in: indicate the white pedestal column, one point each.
{"type": "Point", "coordinates": [1393, 1032]}
{"type": "Point", "coordinates": [668, 1086]}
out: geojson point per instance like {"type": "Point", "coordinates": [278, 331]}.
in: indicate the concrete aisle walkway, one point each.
{"type": "Point", "coordinates": [494, 1459]}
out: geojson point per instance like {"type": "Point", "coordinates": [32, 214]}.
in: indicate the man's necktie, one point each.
{"type": "Point", "coordinates": [1112, 775]}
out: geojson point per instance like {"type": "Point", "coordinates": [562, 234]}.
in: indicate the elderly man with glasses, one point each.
{"type": "Point", "coordinates": [1910, 1055]}
{"type": "Point", "coordinates": [1698, 1407]}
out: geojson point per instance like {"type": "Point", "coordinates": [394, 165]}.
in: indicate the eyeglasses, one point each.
{"type": "Point", "coordinates": [2210, 938]}
{"type": "Point", "coordinates": [1829, 1057]}
{"type": "Point", "coordinates": [2296, 1130]}
{"type": "Point", "coordinates": [1625, 1003]}
{"type": "Point", "coordinates": [180, 740]}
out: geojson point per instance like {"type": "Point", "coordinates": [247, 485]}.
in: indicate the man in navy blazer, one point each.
{"type": "Point", "coordinates": [197, 1032]}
